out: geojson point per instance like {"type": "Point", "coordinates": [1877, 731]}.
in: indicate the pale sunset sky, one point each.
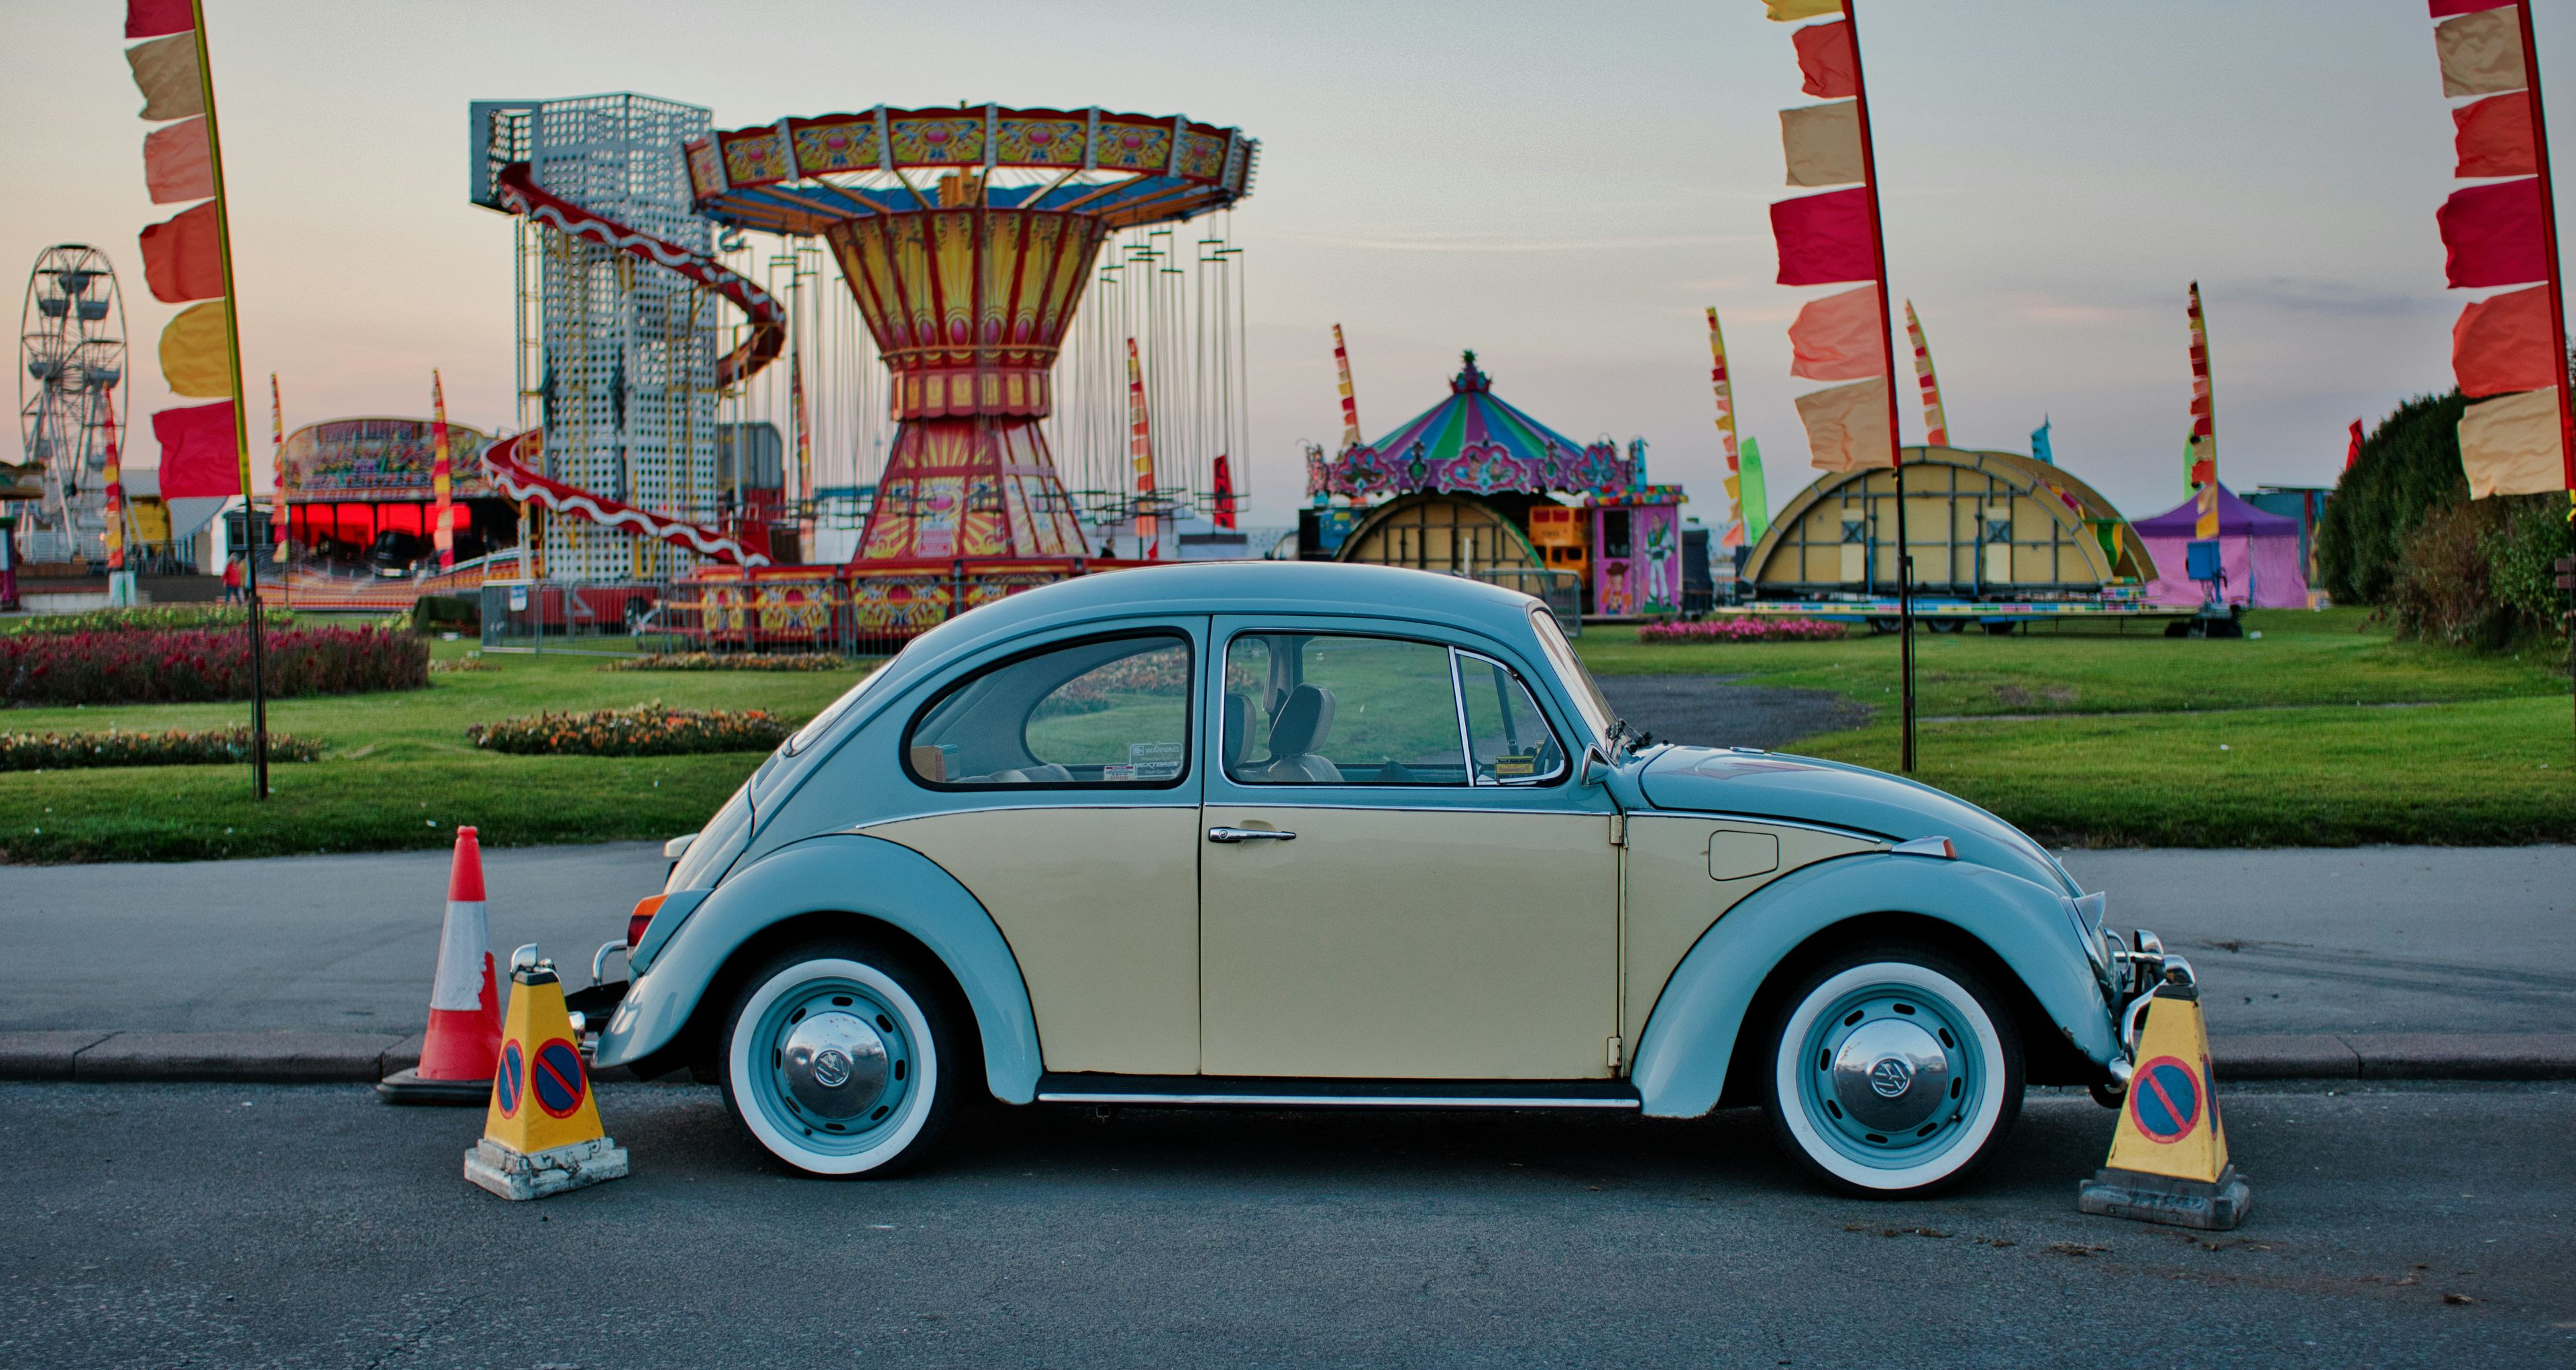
{"type": "Point", "coordinates": [1561, 187]}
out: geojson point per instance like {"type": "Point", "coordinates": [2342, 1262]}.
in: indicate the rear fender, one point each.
{"type": "Point", "coordinates": [837, 873]}
{"type": "Point", "coordinates": [1690, 1037]}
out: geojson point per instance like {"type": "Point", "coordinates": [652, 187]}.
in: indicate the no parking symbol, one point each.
{"type": "Point", "coordinates": [557, 1078]}
{"type": "Point", "coordinates": [2164, 1100]}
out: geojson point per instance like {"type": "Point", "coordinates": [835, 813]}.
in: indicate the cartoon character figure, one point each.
{"type": "Point", "coordinates": [1617, 601]}
{"type": "Point", "coordinates": [1659, 565]}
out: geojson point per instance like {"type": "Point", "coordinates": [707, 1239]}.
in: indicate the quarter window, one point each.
{"type": "Point", "coordinates": [1507, 737]}
{"type": "Point", "coordinates": [1105, 712]}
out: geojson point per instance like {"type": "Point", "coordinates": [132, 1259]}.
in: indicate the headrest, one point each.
{"type": "Point", "coordinates": [1304, 721]}
{"type": "Point", "coordinates": [1238, 726]}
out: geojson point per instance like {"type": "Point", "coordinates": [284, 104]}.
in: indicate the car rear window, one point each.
{"type": "Point", "coordinates": [1107, 711]}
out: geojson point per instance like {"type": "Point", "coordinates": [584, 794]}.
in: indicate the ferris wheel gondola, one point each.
{"type": "Point", "coordinates": [72, 349]}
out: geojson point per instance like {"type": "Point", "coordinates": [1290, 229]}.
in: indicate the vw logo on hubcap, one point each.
{"type": "Point", "coordinates": [1888, 1079]}
{"type": "Point", "coordinates": [832, 1068]}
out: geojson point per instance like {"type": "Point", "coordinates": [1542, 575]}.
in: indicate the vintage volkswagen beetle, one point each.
{"type": "Point", "coordinates": [1300, 835]}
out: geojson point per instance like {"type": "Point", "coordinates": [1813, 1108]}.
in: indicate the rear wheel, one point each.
{"type": "Point", "coordinates": [837, 1059]}
{"type": "Point", "coordinates": [1894, 1071]}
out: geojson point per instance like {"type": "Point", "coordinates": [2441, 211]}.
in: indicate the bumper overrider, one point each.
{"type": "Point", "coordinates": [2135, 968]}
{"type": "Point", "coordinates": [2129, 969]}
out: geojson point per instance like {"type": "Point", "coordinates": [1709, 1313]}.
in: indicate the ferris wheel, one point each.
{"type": "Point", "coordinates": [72, 341]}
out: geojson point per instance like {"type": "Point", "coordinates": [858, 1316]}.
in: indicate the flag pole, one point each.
{"type": "Point", "coordinates": [2549, 244]}
{"type": "Point", "coordinates": [1895, 445]}
{"type": "Point", "coordinates": [241, 435]}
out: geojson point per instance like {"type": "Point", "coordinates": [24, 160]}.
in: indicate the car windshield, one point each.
{"type": "Point", "coordinates": [1569, 668]}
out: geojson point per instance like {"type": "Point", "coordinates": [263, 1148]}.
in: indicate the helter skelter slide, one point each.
{"type": "Point", "coordinates": [513, 463]}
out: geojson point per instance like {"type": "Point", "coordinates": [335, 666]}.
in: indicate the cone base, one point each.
{"type": "Point", "coordinates": [512, 1176]}
{"type": "Point", "coordinates": [407, 1087]}
{"type": "Point", "coordinates": [2164, 1199]}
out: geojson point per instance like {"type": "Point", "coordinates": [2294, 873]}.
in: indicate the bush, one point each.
{"type": "Point", "coordinates": [1742, 630]}
{"type": "Point", "coordinates": [150, 617]}
{"type": "Point", "coordinates": [190, 666]}
{"type": "Point", "coordinates": [649, 729]}
{"type": "Point", "coordinates": [2409, 467]}
{"type": "Point", "coordinates": [177, 747]}
{"type": "Point", "coordinates": [2480, 574]}
{"type": "Point", "coordinates": [729, 661]}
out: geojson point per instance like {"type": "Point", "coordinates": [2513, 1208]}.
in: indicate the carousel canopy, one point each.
{"type": "Point", "coordinates": [1477, 442]}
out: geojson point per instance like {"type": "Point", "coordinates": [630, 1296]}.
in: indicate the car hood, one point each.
{"type": "Point", "coordinates": [1805, 790]}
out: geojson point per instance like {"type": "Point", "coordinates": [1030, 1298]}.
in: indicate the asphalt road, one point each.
{"type": "Point", "coordinates": [162, 1225]}
{"type": "Point", "coordinates": [2373, 939]}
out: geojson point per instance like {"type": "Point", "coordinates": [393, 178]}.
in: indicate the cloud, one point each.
{"type": "Point", "coordinates": [2052, 310]}
{"type": "Point", "coordinates": [2335, 299]}
{"type": "Point", "coordinates": [1468, 243]}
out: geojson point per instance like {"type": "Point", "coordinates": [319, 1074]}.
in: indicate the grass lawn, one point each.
{"type": "Point", "coordinates": [2333, 657]}
{"type": "Point", "coordinates": [2324, 731]}
{"type": "Point", "coordinates": [399, 771]}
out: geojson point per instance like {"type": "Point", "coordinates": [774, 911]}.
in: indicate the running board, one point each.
{"type": "Point", "coordinates": [1194, 1091]}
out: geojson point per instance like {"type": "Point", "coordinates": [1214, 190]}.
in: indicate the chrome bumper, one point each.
{"type": "Point", "coordinates": [2138, 969]}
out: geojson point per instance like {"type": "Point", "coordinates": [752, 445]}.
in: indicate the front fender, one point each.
{"type": "Point", "coordinates": [1689, 1039]}
{"type": "Point", "coordinates": [838, 873]}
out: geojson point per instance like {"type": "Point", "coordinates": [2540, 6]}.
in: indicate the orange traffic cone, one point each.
{"type": "Point", "coordinates": [464, 1039]}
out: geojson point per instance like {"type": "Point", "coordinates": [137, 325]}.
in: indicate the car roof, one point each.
{"type": "Point", "coordinates": [1235, 587]}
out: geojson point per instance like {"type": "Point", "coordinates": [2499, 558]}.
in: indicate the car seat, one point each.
{"type": "Point", "coordinates": [1297, 737]}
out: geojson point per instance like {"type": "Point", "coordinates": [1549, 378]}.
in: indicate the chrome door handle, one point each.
{"type": "Point", "coordinates": [1250, 835]}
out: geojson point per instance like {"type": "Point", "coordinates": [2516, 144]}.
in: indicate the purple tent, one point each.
{"type": "Point", "coordinates": [2258, 551]}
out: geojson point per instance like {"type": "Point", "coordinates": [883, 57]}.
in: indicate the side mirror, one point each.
{"type": "Point", "coordinates": [1593, 767]}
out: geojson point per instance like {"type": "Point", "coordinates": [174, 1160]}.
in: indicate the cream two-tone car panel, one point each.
{"type": "Point", "coordinates": [1397, 940]}
{"type": "Point", "coordinates": [1100, 904]}
{"type": "Point", "coordinates": [1685, 871]}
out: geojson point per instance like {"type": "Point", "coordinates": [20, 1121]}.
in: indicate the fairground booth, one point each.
{"type": "Point", "coordinates": [1475, 487]}
{"type": "Point", "coordinates": [2260, 562]}
{"type": "Point", "coordinates": [1983, 526]}
{"type": "Point", "coordinates": [358, 494]}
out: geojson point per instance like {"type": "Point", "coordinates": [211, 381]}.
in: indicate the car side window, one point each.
{"type": "Point", "coordinates": [1308, 709]}
{"type": "Point", "coordinates": [1507, 737]}
{"type": "Point", "coordinates": [1112, 711]}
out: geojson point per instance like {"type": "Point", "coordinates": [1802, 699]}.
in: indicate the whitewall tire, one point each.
{"type": "Point", "coordinates": [838, 1061]}
{"type": "Point", "coordinates": [1892, 1071]}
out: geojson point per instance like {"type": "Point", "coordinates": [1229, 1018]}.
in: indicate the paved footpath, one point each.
{"type": "Point", "coordinates": [198, 1224]}
{"type": "Point", "coordinates": [2333, 962]}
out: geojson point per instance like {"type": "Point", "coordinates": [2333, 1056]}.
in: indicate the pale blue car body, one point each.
{"type": "Point", "coordinates": [784, 849]}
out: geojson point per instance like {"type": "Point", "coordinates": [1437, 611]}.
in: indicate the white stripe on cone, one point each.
{"type": "Point", "coordinates": [464, 958]}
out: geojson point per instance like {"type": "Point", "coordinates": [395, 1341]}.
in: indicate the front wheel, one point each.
{"type": "Point", "coordinates": [1894, 1071]}
{"type": "Point", "coordinates": [838, 1060]}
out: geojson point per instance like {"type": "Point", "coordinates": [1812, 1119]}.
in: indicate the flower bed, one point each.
{"type": "Point", "coordinates": [177, 747]}
{"type": "Point", "coordinates": [1742, 630]}
{"type": "Point", "coordinates": [180, 666]}
{"type": "Point", "coordinates": [729, 661]}
{"type": "Point", "coordinates": [159, 618]}
{"type": "Point", "coordinates": [649, 729]}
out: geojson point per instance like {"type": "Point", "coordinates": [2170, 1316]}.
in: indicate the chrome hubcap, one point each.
{"type": "Point", "coordinates": [1890, 1075]}
{"type": "Point", "coordinates": [834, 1064]}
{"type": "Point", "coordinates": [1887, 1072]}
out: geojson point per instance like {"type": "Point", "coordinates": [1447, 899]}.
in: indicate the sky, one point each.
{"type": "Point", "coordinates": [1563, 188]}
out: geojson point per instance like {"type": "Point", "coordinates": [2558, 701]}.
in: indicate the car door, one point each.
{"type": "Point", "coordinates": [1056, 782]}
{"type": "Point", "coordinates": [1400, 878]}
